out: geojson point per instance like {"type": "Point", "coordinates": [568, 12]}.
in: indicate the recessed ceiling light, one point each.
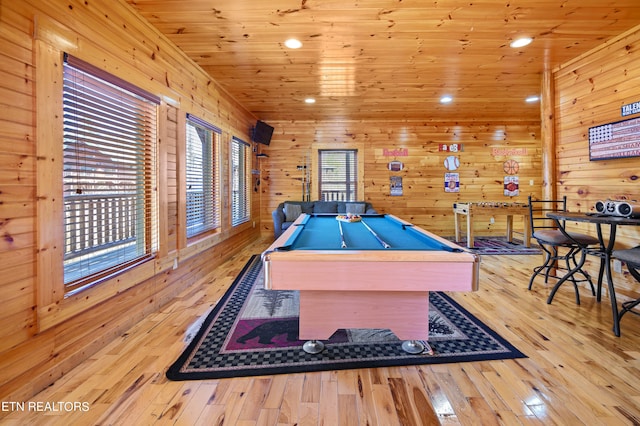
{"type": "Point", "coordinates": [293, 43]}
{"type": "Point", "coordinates": [521, 42]}
{"type": "Point", "coordinates": [532, 99]}
{"type": "Point", "coordinates": [446, 99]}
{"type": "Point", "coordinates": [310, 101]}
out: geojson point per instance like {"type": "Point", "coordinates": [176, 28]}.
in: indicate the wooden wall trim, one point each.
{"type": "Point", "coordinates": [547, 135]}
{"type": "Point", "coordinates": [163, 197]}
{"type": "Point", "coordinates": [50, 247]}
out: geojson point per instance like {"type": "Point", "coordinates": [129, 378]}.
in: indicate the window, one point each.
{"type": "Point", "coordinates": [338, 180]}
{"type": "Point", "coordinates": [109, 173]}
{"type": "Point", "coordinates": [239, 181]}
{"type": "Point", "coordinates": [202, 204]}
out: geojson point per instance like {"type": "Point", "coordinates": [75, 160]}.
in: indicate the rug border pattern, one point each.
{"type": "Point", "coordinates": [215, 329]}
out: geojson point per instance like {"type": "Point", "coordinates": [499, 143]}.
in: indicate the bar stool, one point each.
{"type": "Point", "coordinates": [551, 239]}
{"type": "Point", "coordinates": [632, 258]}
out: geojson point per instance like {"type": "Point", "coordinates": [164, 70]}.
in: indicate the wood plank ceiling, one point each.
{"type": "Point", "coordinates": [386, 59]}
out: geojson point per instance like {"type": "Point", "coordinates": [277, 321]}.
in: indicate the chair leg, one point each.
{"type": "Point", "coordinates": [553, 256]}
{"type": "Point", "coordinates": [628, 306]}
{"type": "Point", "coordinates": [544, 267]}
{"type": "Point", "coordinates": [572, 254]}
{"type": "Point", "coordinates": [577, 268]}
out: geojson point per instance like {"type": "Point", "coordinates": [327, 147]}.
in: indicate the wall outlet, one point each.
{"type": "Point", "coordinates": [175, 264]}
{"type": "Point", "coordinates": [492, 220]}
{"type": "Point", "coordinates": [617, 266]}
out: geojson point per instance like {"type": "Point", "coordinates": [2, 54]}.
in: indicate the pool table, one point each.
{"type": "Point", "coordinates": [372, 273]}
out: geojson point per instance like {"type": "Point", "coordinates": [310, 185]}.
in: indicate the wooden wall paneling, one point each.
{"type": "Point", "coordinates": [50, 238]}
{"type": "Point", "coordinates": [547, 135]}
{"type": "Point", "coordinates": [590, 91]}
{"type": "Point", "coordinates": [424, 201]}
{"type": "Point", "coordinates": [42, 338]}
{"type": "Point", "coordinates": [17, 186]}
{"type": "Point", "coordinates": [17, 319]}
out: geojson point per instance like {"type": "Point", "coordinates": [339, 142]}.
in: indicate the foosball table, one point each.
{"type": "Point", "coordinates": [492, 209]}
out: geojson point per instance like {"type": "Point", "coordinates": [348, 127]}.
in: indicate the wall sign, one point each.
{"type": "Point", "coordinates": [451, 182]}
{"type": "Point", "coordinates": [508, 152]}
{"type": "Point", "coordinates": [615, 140]}
{"type": "Point", "coordinates": [630, 109]}
{"type": "Point", "coordinates": [454, 147]}
{"type": "Point", "coordinates": [511, 186]}
{"type": "Point", "coordinates": [395, 185]}
{"type": "Point", "coordinates": [399, 152]}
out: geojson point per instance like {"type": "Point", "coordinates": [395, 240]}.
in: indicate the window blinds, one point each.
{"type": "Point", "coordinates": [202, 206]}
{"type": "Point", "coordinates": [338, 175]}
{"type": "Point", "coordinates": [108, 176]}
{"type": "Point", "coordinates": [239, 181]}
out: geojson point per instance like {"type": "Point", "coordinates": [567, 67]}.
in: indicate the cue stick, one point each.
{"type": "Point", "coordinates": [343, 244]}
{"type": "Point", "coordinates": [380, 240]}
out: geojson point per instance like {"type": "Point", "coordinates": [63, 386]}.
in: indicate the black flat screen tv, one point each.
{"type": "Point", "coordinates": [262, 133]}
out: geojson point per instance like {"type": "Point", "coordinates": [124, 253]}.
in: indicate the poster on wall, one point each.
{"type": "Point", "coordinates": [451, 182]}
{"type": "Point", "coordinates": [395, 183]}
{"type": "Point", "coordinates": [511, 186]}
{"type": "Point", "coordinates": [454, 147]}
{"type": "Point", "coordinates": [615, 140]}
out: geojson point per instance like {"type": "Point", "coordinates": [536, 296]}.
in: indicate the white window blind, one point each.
{"type": "Point", "coordinates": [109, 174]}
{"type": "Point", "coordinates": [338, 175]}
{"type": "Point", "coordinates": [202, 177]}
{"type": "Point", "coordinates": [239, 181]}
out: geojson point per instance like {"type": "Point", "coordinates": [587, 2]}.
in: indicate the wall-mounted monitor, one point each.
{"type": "Point", "coordinates": [262, 133]}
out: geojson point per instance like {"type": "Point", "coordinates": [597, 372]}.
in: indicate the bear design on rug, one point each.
{"type": "Point", "coordinates": [267, 331]}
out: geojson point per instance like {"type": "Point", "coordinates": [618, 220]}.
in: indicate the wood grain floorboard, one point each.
{"type": "Point", "coordinates": [577, 371]}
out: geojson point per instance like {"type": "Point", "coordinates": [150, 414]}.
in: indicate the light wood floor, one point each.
{"type": "Point", "coordinates": [577, 371]}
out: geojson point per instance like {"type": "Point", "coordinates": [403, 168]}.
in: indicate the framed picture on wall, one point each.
{"type": "Point", "coordinates": [615, 140]}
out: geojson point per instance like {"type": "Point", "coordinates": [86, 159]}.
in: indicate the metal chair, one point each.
{"type": "Point", "coordinates": [632, 258]}
{"type": "Point", "coordinates": [551, 239]}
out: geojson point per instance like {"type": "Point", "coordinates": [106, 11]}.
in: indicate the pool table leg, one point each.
{"type": "Point", "coordinates": [405, 313]}
{"type": "Point", "coordinates": [313, 347]}
{"type": "Point", "coordinates": [415, 347]}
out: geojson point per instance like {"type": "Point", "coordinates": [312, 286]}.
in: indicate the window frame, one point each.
{"type": "Point", "coordinates": [242, 184]}
{"type": "Point", "coordinates": [351, 180]}
{"type": "Point", "coordinates": [53, 304]}
{"type": "Point", "coordinates": [109, 174]}
{"type": "Point", "coordinates": [346, 145]}
{"type": "Point", "coordinates": [210, 175]}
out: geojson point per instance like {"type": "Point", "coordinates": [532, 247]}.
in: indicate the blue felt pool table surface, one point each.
{"type": "Point", "coordinates": [322, 232]}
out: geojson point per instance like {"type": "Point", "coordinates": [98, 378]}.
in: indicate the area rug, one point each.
{"type": "Point", "coordinates": [253, 331]}
{"type": "Point", "coordinates": [498, 245]}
